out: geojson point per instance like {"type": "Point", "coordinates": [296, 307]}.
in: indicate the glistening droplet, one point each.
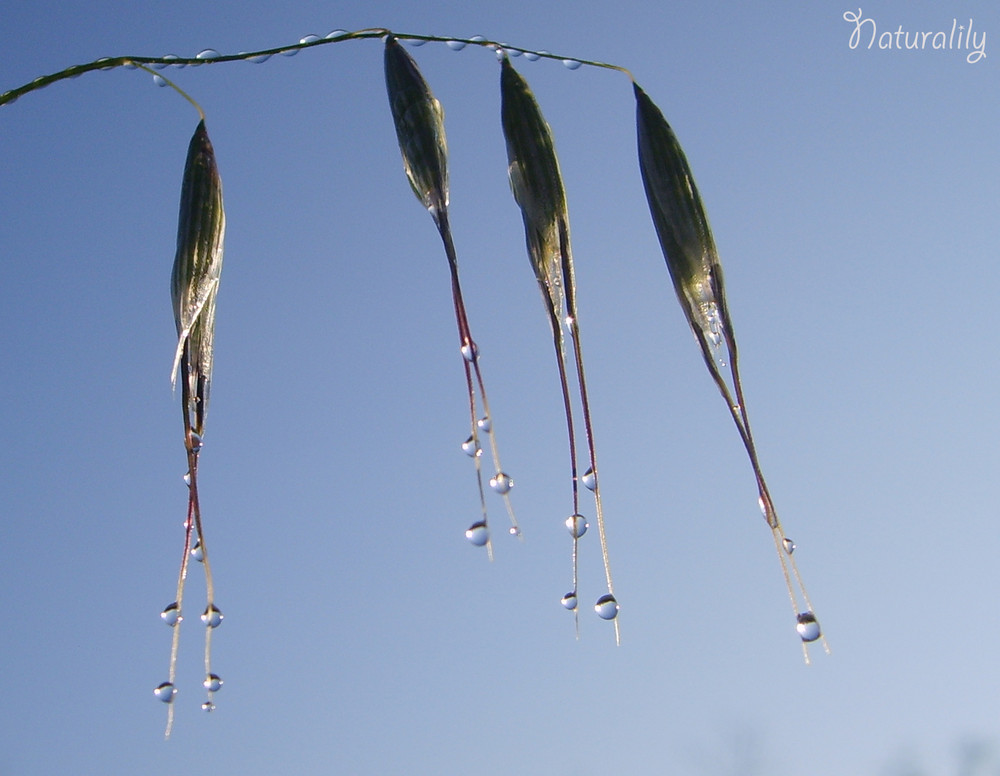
{"type": "Point", "coordinates": [589, 480]}
{"type": "Point", "coordinates": [212, 617]}
{"type": "Point", "coordinates": [208, 706]}
{"type": "Point", "coordinates": [195, 441]}
{"type": "Point", "coordinates": [337, 34]}
{"type": "Point", "coordinates": [514, 530]}
{"type": "Point", "coordinates": [259, 59]}
{"type": "Point", "coordinates": [165, 692]}
{"type": "Point", "coordinates": [309, 39]}
{"type": "Point", "coordinates": [289, 52]}
{"type": "Point", "coordinates": [531, 56]}
{"type": "Point", "coordinates": [198, 552]}
{"type": "Point", "coordinates": [159, 81]}
{"type": "Point", "coordinates": [569, 600]}
{"type": "Point", "coordinates": [212, 683]}
{"type": "Point", "coordinates": [171, 615]}
{"type": "Point", "coordinates": [501, 483]}
{"type": "Point", "coordinates": [470, 351]}
{"type": "Point", "coordinates": [187, 475]}
{"type": "Point", "coordinates": [788, 544]}
{"type": "Point", "coordinates": [478, 534]}
{"type": "Point", "coordinates": [456, 45]}
{"type": "Point", "coordinates": [471, 448]}
{"type": "Point", "coordinates": [607, 607]}
{"type": "Point", "coordinates": [808, 626]}
{"type": "Point", "coordinates": [485, 424]}
{"type": "Point", "coordinates": [573, 64]}
{"type": "Point", "coordinates": [208, 54]}
{"type": "Point", "coordinates": [577, 525]}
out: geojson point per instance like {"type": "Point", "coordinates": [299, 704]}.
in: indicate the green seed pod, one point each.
{"type": "Point", "coordinates": [197, 266]}
{"type": "Point", "coordinates": [419, 121]}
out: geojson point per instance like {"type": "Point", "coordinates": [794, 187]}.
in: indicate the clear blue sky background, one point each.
{"type": "Point", "coordinates": [854, 197]}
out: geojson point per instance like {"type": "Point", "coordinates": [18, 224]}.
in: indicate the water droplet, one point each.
{"type": "Point", "coordinates": [470, 351]}
{"type": "Point", "coordinates": [208, 54]}
{"type": "Point", "coordinates": [165, 692]}
{"type": "Point", "coordinates": [514, 531]}
{"type": "Point", "coordinates": [259, 59]}
{"type": "Point", "coordinates": [187, 475]}
{"type": "Point", "coordinates": [416, 43]}
{"type": "Point", "coordinates": [577, 525]}
{"type": "Point", "coordinates": [212, 683]}
{"type": "Point", "coordinates": [808, 626]}
{"type": "Point", "coordinates": [161, 65]}
{"type": "Point", "coordinates": [106, 59]}
{"type": "Point", "coordinates": [478, 534]}
{"type": "Point", "coordinates": [485, 424]}
{"type": "Point", "coordinates": [338, 33]}
{"type": "Point", "coordinates": [607, 607]}
{"type": "Point", "coordinates": [289, 52]}
{"type": "Point", "coordinates": [501, 483]}
{"type": "Point", "coordinates": [573, 64]}
{"type": "Point", "coordinates": [477, 38]}
{"type": "Point", "coordinates": [195, 441]}
{"type": "Point", "coordinates": [788, 544]}
{"type": "Point", "coordinates": [208, 706]}
{"type": "Point", "coordinates": [171, 615]}
{"type": "Point", "coordinates": [589, 480]}
{"type": "Point", "coordinates": [212, 617]}
{"type": "Point", "coordinates": [128, 66]}
{"type": "Point", "coordinates": [456, 45]}
{"type": "Point", "coordinates": [531, 56]}
{"type": "Point", "coordinates": [198, 552]}
{"type": "Point", "coordinates": [309, 39]}
{"type": "Point", "coordinates": [471, 448]}
{"type": "Point", "coordinates": [159, 81]}
{"type": "Point", "coordinates": [512, 52]}
{"type": "Point", "coordinates": [569, 600]}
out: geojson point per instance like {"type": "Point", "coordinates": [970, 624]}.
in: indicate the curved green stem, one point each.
{"type": "Point", "coordinates": [110, 63]}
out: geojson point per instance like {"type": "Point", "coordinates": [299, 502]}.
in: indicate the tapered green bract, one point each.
{"type": "Point", "coordinates": [419, 122]}
{"type": "Point", "coordinates": [537, 185]}
{"type": "Point", "coordinates": [680, 221]}
{"type": "Point", "coordinates": [197, 267]}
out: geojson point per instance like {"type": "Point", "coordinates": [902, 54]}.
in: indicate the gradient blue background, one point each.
{"type": "Point", "coordinates": [854, 196]}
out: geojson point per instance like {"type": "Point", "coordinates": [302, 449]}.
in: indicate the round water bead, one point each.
{"type": "Point", "coordinates": [478, 534]}
{"type": "Point", "coordinates": [471, 448]}
{"type": "Point", "coordinates": [456, 45]}
{"type": "Point", "coordinates": [788, 544]}
{"type": "Point", "coordinates": [808, 626]}
{"type": "Point", "coordinates": [212, 617]}
{"type": "Point", "coordinates": [501, 483]}
{"type": "Point", "coordinates": [470, 351]}
{"type": "Point", "coordinates": [589, 479]}
{"type": "Point", "coordinates": [171, 615]}
{"type": "Point", "coordinates": [212, 683]}
{"type": "Point", "coordinates": [198, 552]}
{"type": "Point", "coordinates": [514, 530]}
{"type": "Point", "coordinates": [165, 692]}
{"type": "Point", "coordinates": [208, 706]}
{"type": "Point", "coordinates": [207, 54]}
{"type": "Point", "coordinates": [577, 525]}
{"type": "Point", "coordinates": [572, 64]}
{"type": "Point", "coordinates": [569, 600]}
{"type": "Point", "coordinates": [485, 424]}
{"type": "Point", "coordinates": [607, 607]}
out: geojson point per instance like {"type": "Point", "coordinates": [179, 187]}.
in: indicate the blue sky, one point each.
{"type": "Point", "coordinates": [853, 194]}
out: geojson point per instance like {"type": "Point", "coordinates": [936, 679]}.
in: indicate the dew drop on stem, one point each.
{"type": "Point", "coordinates": [198, 553]}
{"type": "Point", "coordinates": [577, 525]}
{"type": "Point", "coordinates": [208, 706]}
{"type": "Point", "coordinates": [788, 545]}
{"type": "Point", "coordinates": [165, 692]}
{"type": "Point", "coordinates": [589, 480]}
{"type": "Point", "coordinates": [572, 64]}
{"type": "Point", "coordinates": [607, 607]}
{"type": "Point", "coordinates": [456, 45]}
{"type": "Point", "coordinates": [501, 483]}
{"type": "Point", "coordinates": [478, 534]}
{"type": "Point", "coordinates": [569, 600]}
{"type": "Point", "coordinates": [212, 617]}
{"type": "Point", "coordinates": [212, 683]}
{"type": "Point", "coordinates": [171, 615]}
{"type": "Point", "coordinates": [808, 627]}
{"type": "Point", "coordinates": [485, 424]}
{"type": "Point", "coordinates": [471, 448]}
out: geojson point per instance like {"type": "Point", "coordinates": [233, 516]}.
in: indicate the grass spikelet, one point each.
{"type": "Point", "coordinates": [419, 121]}
{"type": "Point", "coordinates": [689, 249]}
{"type": "Point", "coordinates": [194, 285]}
{"type": "Point", "coordinates": [537, 185]}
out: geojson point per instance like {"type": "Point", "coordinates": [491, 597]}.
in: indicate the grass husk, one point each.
{"type": "Point", "coordinates": [536, 182]}
{"type": "Point", "coordinates": [419, 122]}
{"type": "Point", "coordinates": [692, 259]}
